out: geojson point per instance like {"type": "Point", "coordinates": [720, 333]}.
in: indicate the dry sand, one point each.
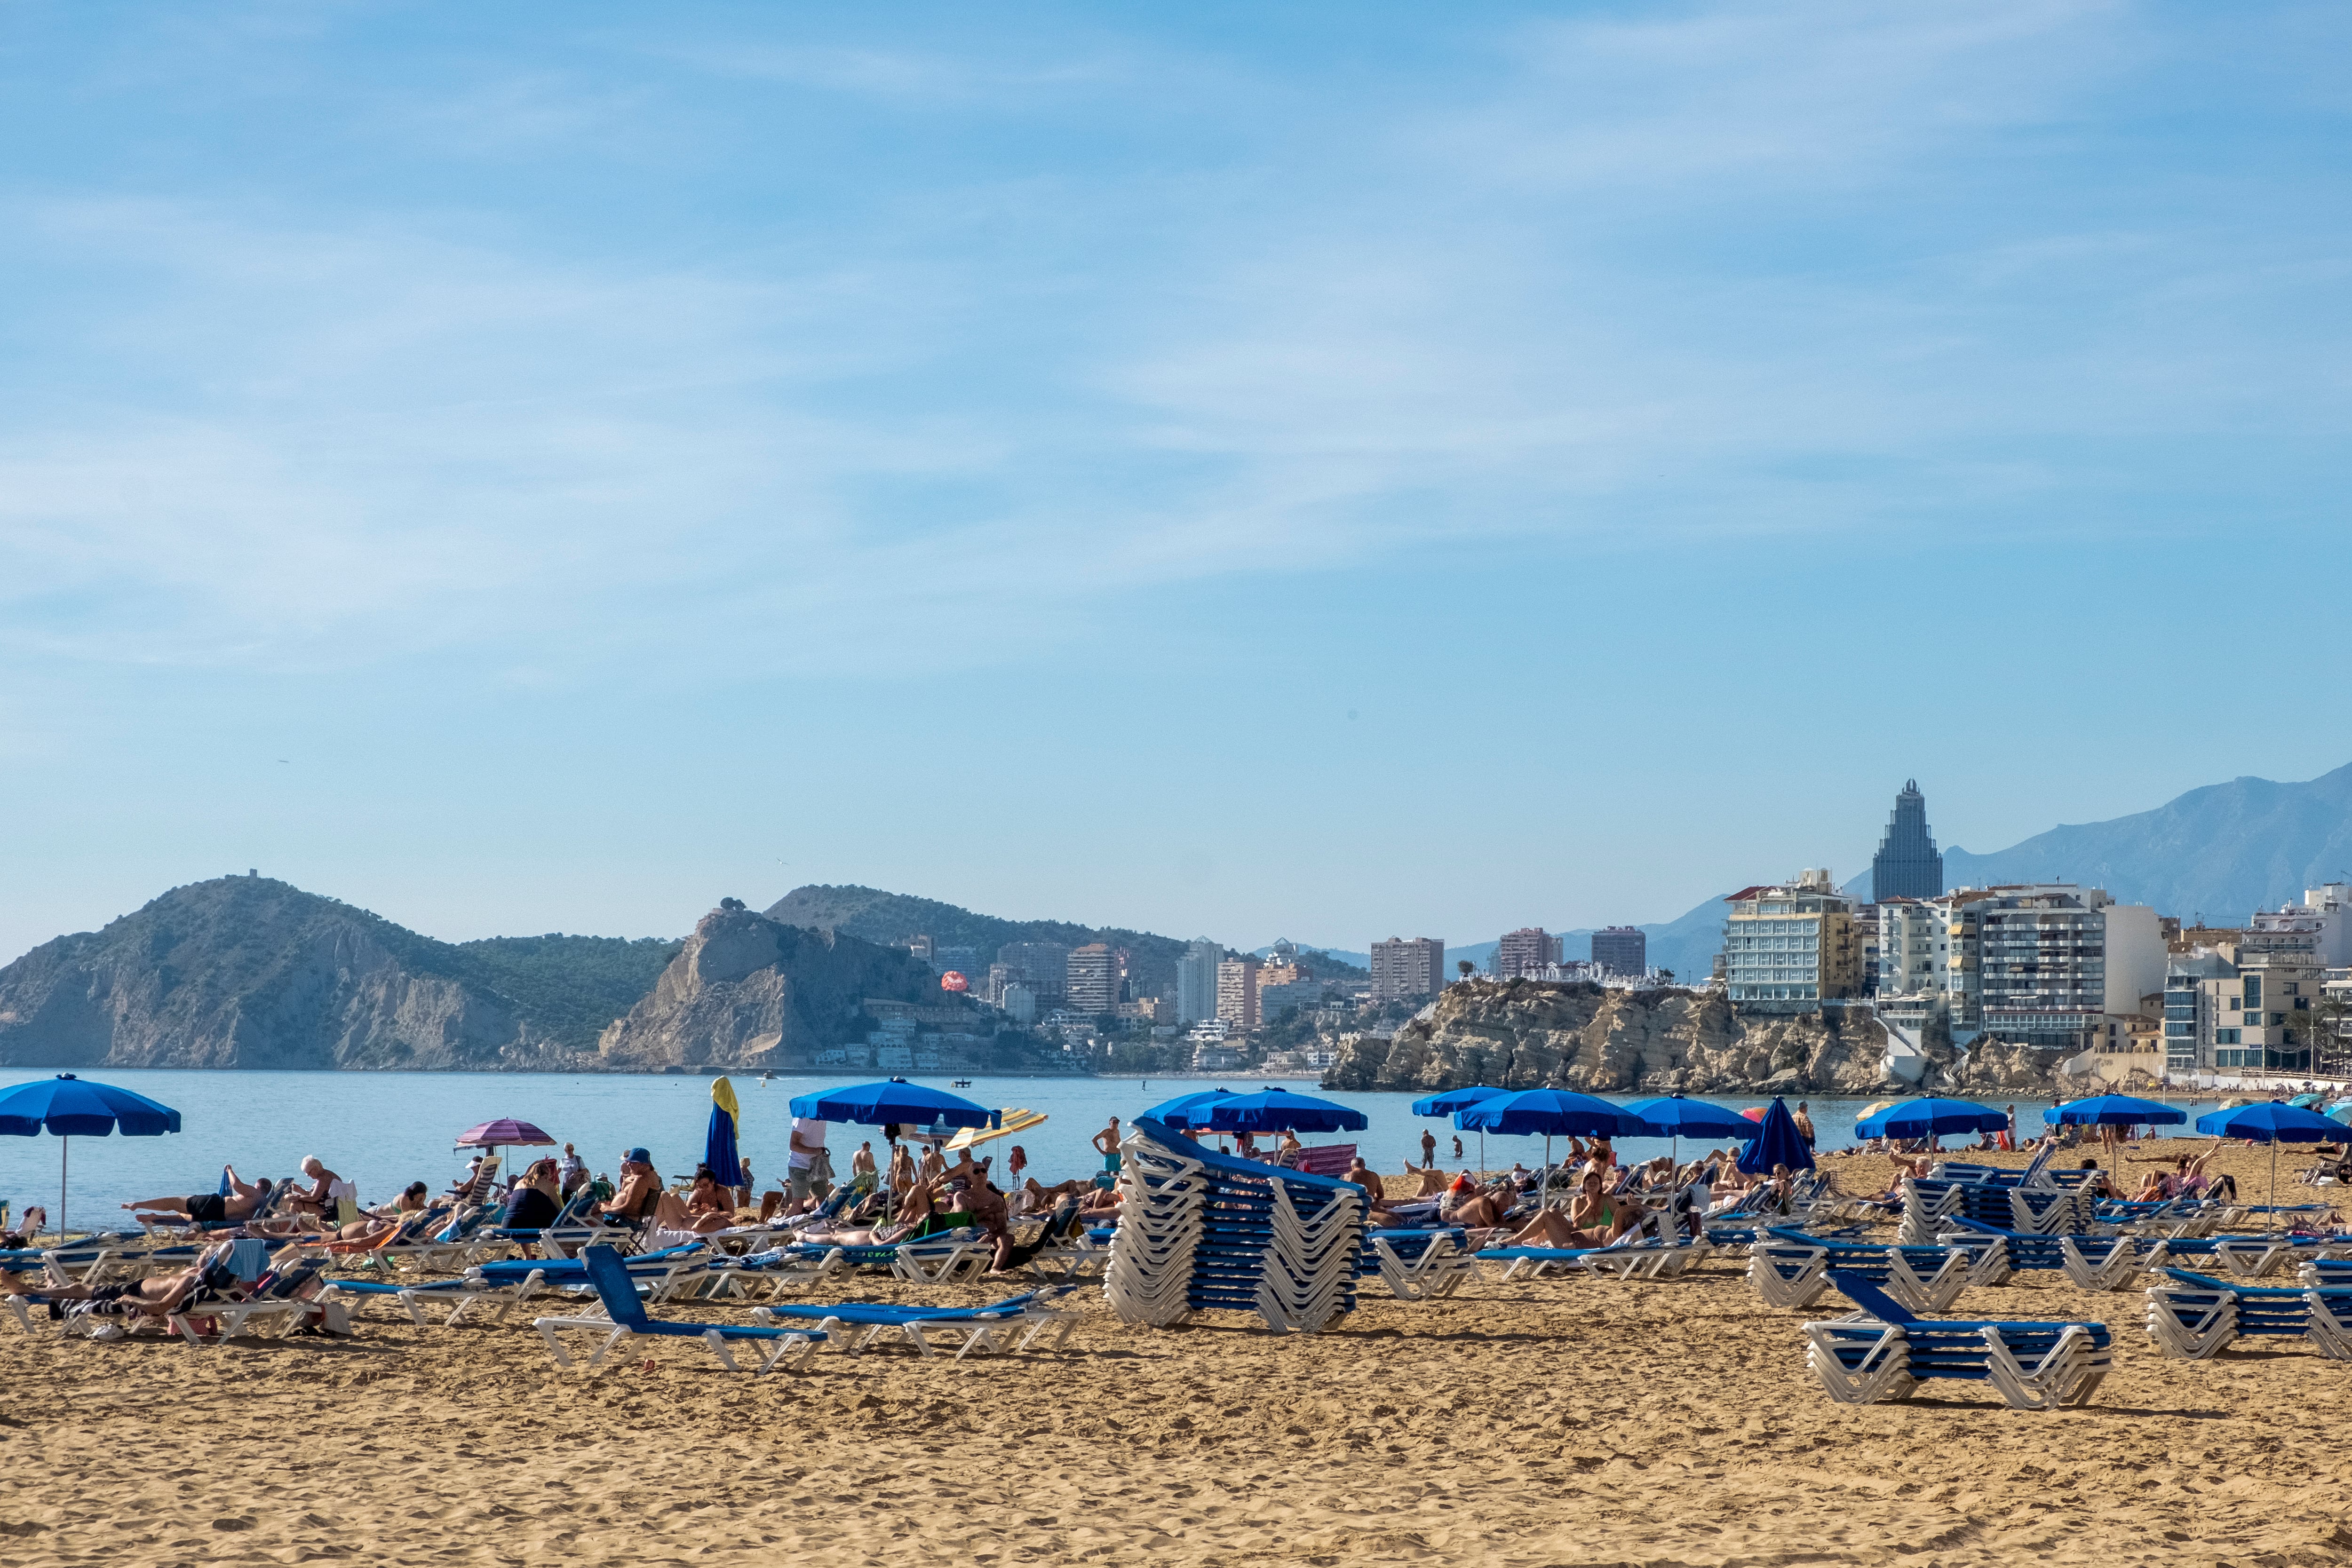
{"type": "Point", "coordinates": [1572, 1421]}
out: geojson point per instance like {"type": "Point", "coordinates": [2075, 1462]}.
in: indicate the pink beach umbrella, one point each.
{"type": "Point", "coordinates": [500, 1135]}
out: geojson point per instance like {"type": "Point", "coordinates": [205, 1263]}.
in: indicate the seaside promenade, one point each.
{"type": "Point", "coordinates": [1555, 1421]}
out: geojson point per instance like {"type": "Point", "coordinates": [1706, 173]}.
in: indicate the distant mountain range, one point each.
{"type": "Point", "coordinates": [2222, 851]}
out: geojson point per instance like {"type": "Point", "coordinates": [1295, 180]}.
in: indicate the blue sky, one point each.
{"type": "Point", "coordinates": [1354, 471]}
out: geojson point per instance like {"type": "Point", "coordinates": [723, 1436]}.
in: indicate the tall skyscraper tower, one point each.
{"type": "Point", "coordinates": [1908, 864]}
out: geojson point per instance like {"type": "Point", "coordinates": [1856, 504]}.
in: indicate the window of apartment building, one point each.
{"type": "Point", "coordinates": [2226, 1037]}
{"type": "Point", "coordinates": [2253, 993]}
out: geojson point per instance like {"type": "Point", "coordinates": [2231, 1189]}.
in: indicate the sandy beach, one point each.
{"type": "Point", "coordinates": [1559, 1421]}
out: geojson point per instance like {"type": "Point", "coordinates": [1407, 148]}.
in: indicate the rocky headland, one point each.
{"type": "Point", "coordinates": [749, 991]}
{"type": "Point", "coordinates": [1531, 1034]}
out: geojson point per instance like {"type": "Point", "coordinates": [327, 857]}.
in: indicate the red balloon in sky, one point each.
{"type": "Point", "coordinates": [953, 980]}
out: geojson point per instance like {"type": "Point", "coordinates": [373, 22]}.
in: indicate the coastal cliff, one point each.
{"type": "Point", "coordinates": [748, 991]}
{"type": "Point", "coordinates": [1529, 1034]}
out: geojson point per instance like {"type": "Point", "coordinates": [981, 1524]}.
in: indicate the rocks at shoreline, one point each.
{"type": "Point", "coordinates": [1527, 1034]}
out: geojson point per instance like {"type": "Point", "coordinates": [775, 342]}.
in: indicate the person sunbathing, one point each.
{"type": "Point", "coordinates": [1041, 1198]}
{"type": "Point", "coordinates": [1482, 1209]}
{"type": "Point", "coordinates": [1362, 1175]}
{"type": "Point", "coordinates": [238, 1204]}
{"type": "Point", "coordinates": [1594, 1219]}
{"type": "Point", "coordinates": [35, 1221]}
{"type": "Point", "coordinates": [156, 1296]}
{"type": "Point", "coordinates": [317, 1200]}
{"type": "Point", "coordinates": [640, 1188]}
{"type": "Point", "coordinates": [536, 1199]}
{"type": "Point", "coordinates": [1099, 1204]}
{"type": "Point", "coordinates": [706, 1208]}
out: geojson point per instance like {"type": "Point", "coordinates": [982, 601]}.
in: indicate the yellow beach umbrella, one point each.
{"type": "Point", "coordinates": [1874, 1110]}
{"type": "Point", "coordinates": [1012, 1122]}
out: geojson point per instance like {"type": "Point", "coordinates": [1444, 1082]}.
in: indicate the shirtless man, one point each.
{"type": "Point", "coordinates": [158, 1295]}
{"type": "Point", "coordinates": [1106, 1145]}
{"type": "Point", "coordinates": [640, 1187]}
{"type": "Point", "coordinates": [212, 1207]}
{"type": "Point", "coordinates": [861, 1164]}
{"type": "Point", "coordinates": [1362, 1175]}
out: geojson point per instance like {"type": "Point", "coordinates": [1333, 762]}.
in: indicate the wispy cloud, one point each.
{"type": "Point", "coordinates": [1647, 276]}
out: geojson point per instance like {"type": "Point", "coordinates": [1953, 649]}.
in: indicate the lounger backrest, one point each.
{"type": "Point", "coordinates": [1871, 1299]}
{"type": "Point", "coordinates": [618, 1292]}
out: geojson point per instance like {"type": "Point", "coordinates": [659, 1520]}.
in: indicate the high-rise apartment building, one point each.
{"type": "Point", "coordinates": [1237, 1002]}
{"type": "Point", "coordinates": [1045, 966]}
{"type": "Point", "coordinates": [1090, 979]}
{"type": "Point", "coordinates": [1405, 968]}
{"type": "Point", "coordinates": [1196, 981]}
{"type": "Point", "coordinates": [1790, 946]}
{"type": "Point", "coordinates": [2063, 967]}
{"type": "Point", "coordinates": [2049, 965]}
{"type": "Point", "coordinates": [1908, 864]}
{"type": "Point", "coordinates": [1525, 951]}
{"type": "Point", "coordinates": [1621, 950]}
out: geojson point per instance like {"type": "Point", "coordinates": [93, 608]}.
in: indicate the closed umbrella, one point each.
{"type": "Point", "coordinates": [2272, 1122]}
{"type": "Point", "coordinates": [1554, 1113]}
{"type": "Point", "coordinates": [1448, 1101]}
{"type": "Point", "coordinates": [1778, 1142]}
{"type": "Point", "coordinates": [718, 1145]}
{"type": "Point", "coordinates": [68, 1106]}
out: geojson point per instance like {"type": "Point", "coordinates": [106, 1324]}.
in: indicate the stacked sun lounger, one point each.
{"type": "Point", "coordinates": [1886, 1350]}
{"type": "Point", "coordinates": [1792, 1267]}
{"type": "Point", "coordinates": [2194, 1316]}
{"type": "Point", "coordinates": [2043, 1210]}
{"type": "Point", "coordinates": [1418, 1265]}
{"type": "Point", "coordinates": [1201, 1230]}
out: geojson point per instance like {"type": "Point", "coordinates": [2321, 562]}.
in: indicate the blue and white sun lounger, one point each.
{"type": "Point", "coordinates": [1790, 1268]}
{"type": "Point", "coordinates": [985, 1329]}
{"type": "Point", "coordinates": [1886, 1350]}
{"type": "Point", "coordinates": [1418, 1265]}
{"type": "Point", "coordinates": [2194, 1316]}
{"type": "Point", "coordinates": [625, 1318]}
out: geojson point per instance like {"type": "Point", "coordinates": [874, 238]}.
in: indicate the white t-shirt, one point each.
{"type": "Point", "coordinates": [810, 1133]}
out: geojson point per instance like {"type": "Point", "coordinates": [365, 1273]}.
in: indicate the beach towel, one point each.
{"type": "Point", "coordinates": [249, 1257]}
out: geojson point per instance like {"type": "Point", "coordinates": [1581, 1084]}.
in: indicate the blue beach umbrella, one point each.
{"type": "Point", "coordinates": [878, 1104]}
{"type": "Point", "coordinates": [1924, 1118]}
{"type": "Point", "coordinates": [2113, 1111]}
{"type": "Point", "coordinates": [1187, 1111]}
{"type": "Point", "coordinates": [718, 1145]}
{"type": "Point", "coordinates": [1446, 1101]}
{"type": "Point", "coordinates": [1552, 1112]}
{"type": "Point", "coordinates": [1280, 1111]}
{"type": "Point", "coordinates": [1671, 1116]}
{"type": "Point", "coordinates": [1778, 1142]}
{"type": "Point", "coordinates": [69, 1106]}
{"type": "Point", "coordinates": [2308, 1098]}
{"type": "Point", "coordinates": [2273, 1123]}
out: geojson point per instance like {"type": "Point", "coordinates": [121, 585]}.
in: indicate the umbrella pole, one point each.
{"type": "Point", "coordinates": [1543, 1199]}
{"type": "Point", "coordinates": [65, 1159]}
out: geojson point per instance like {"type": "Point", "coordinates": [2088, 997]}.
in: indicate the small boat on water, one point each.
{"type": "Point", "coordinates": [767, 1078]}
{"type": "Point", "coordinates": [959, 1082]}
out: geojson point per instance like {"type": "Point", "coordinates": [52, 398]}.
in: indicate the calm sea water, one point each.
{"type": "Point", "coordinates": [384, 1130]}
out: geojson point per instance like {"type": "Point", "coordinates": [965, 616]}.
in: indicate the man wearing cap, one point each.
{"type": "Point", "coordinates": [640, 1187]}
{"type": "Point", "coordinates": [810, 1167]}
